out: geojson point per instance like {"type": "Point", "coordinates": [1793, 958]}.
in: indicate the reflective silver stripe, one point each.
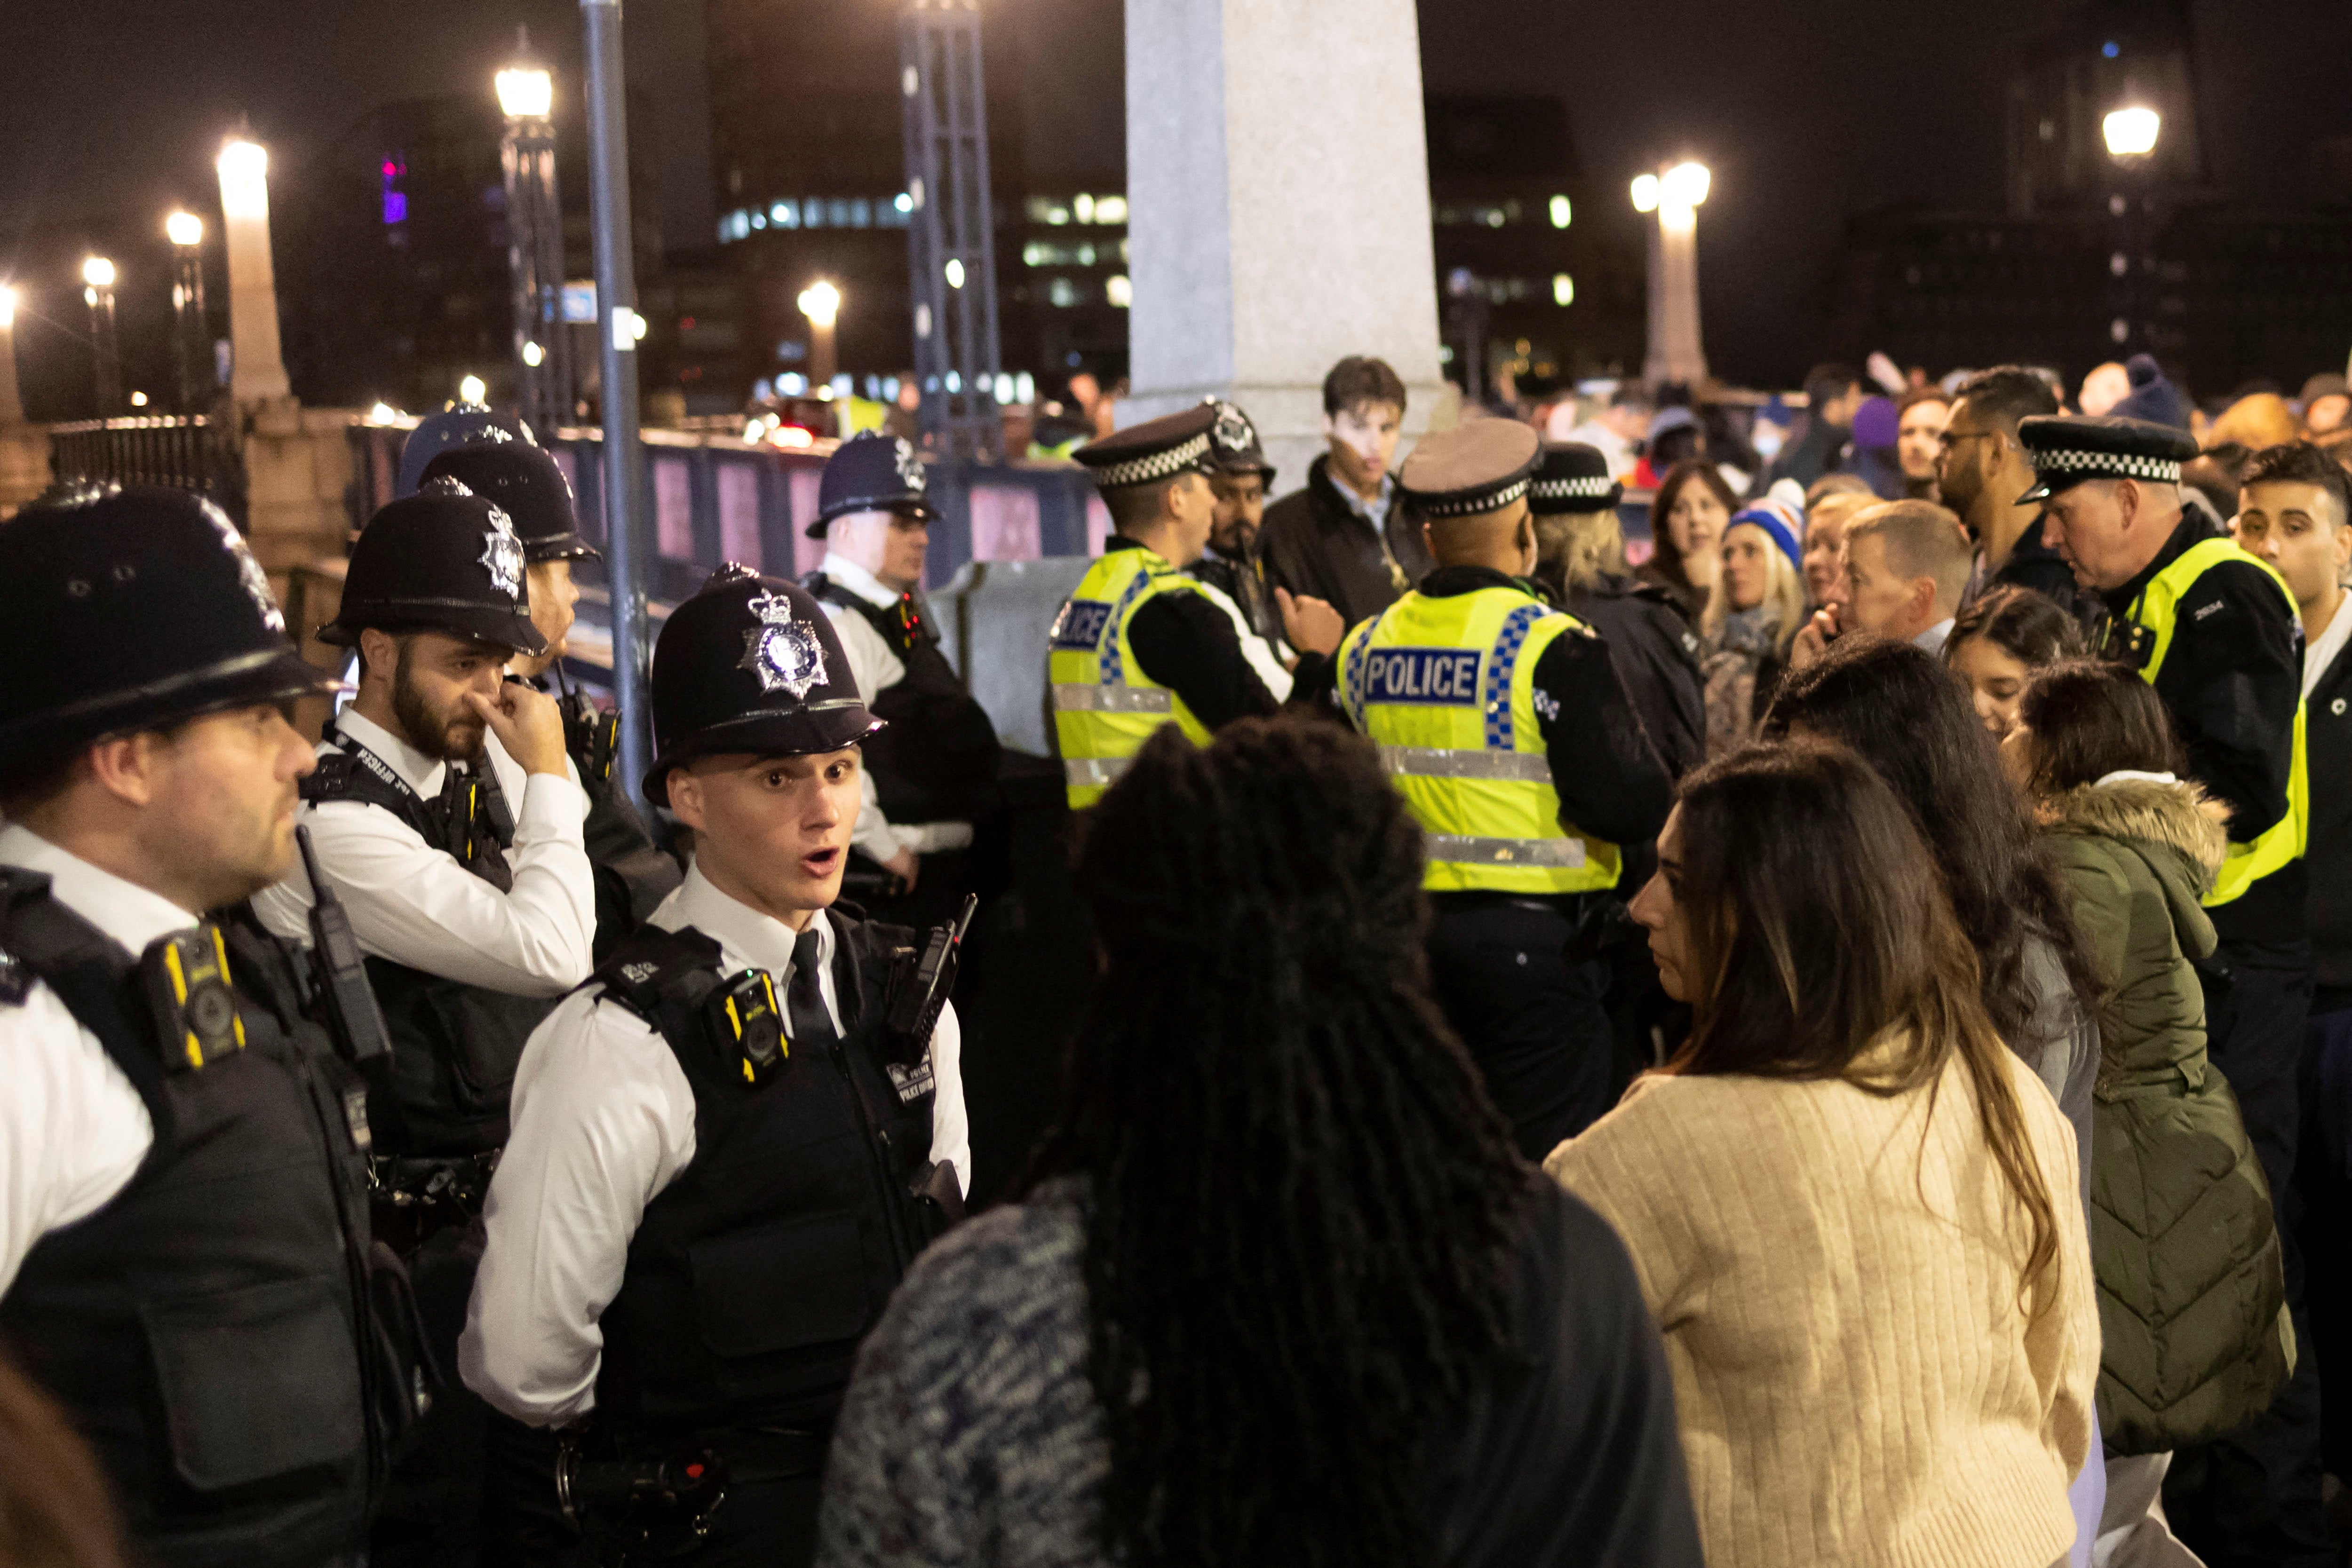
{"type": "Point", "coordinates": [1429, 762]}
{"type": "Point", "coordinates": [1090, 698]}
{"type": "Point", "coordinates": [1083, 772]}
{"type": "Point", "coordinates": [1452, 848]}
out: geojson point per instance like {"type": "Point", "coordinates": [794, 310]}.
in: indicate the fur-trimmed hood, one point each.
{"type": "Point", "coordinates": [2173, 827]}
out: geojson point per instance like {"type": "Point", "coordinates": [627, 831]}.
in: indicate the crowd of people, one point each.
{"type": "Point", "coordinates": [1820, 1035]}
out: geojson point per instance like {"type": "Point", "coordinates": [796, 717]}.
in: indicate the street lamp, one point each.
{"type": "Point", "coordinates": [1674, 193]}
{"type": "Point", "coordinates": [534, 238]}
{"type": "Point", "coordinates": [186, 233]}
{"type": "Point", "coordinates": [106, 354]}
{"type": "Point", "coordinates": [2131, 132]}
{"type": "Point", "coordinates": [12, 404]}
{"type": "Point", "coordinates": [820, 303]}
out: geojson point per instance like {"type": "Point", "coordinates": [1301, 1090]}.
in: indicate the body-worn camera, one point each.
{"type": "Point", "coordinates": [743, 1011]}
{"type": "Point", "coordinates": [185, 976]}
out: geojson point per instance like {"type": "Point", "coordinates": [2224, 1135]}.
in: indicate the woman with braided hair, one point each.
{"type": "Point", "coordinates": [1279, 1290]}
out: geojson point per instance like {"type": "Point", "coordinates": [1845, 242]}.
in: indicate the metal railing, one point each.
{"type": "Point", "coordinates": [188, 452]}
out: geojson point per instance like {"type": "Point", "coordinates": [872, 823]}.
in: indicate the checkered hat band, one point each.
{"type": "Point", "coordinates": [1154, 465]}
{"type": "Point", "coordinates": [2113, 464]}
{"type": "Point", "coordinates": [1569, 489]}
{"type": "Point", "coordinates": [1469, 505]}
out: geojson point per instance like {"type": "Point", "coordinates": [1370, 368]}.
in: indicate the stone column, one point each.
{"type": "Point", "coordinates": [258, 372]}
{"type": "Point", "coordinates": [1676, 354]}
{"type": "Point", "coordinates": [24, 448]}
{"type": "Point", "coordinates": [1277, 183]}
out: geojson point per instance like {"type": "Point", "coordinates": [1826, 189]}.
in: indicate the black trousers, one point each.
{"type": "Point", "coordinates": [429, 1515]}
{"type": "Point", "coordinates": [757, 1525]}
{"type": "Point", "coordinates": [2323, 1185]}
{"type": "Point", "coordinates": [2252, 1496]}
{"type": "Point", "coordinates": [1535, 1023]}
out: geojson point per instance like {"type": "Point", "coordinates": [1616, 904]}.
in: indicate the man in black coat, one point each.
{"type": "Point", "coordinates": [1982, 469]}
{"type": "Point", "coordinates": [1343, 539]}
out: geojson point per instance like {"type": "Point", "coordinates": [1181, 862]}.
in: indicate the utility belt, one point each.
{"type": "Point", "coordinates": [637, 1500]}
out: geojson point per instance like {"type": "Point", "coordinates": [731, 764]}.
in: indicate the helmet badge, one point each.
{"type": "Point", "coordinates": [783, 651]}
{"type": "Point", "coordinates": [502, 553]}
{"type": "Point", "coordinates": [910, 468]}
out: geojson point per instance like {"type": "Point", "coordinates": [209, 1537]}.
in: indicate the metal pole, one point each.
{"type": "Point", "coordinates": [106, 354]}
{"type": "Point", "coordinates": [616, 297]}
{"type": "Point", "coordinates": [195, 354]}
{"type": "Point", "coordinates": [522, 250]}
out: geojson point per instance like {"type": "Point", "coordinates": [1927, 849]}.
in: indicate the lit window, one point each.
{"type": "Point", "coordinates": [1086, 256]}
{"type": "Point", "coordinates": [1024, 388]}
{"type": "Point", "coordinates": [1056, 214]}
{"type": "Point", "coordinates": [740, 221]}
{"type": "Point", "coordinates": [1122, 251]}
{"type": "Point", "coordinates": [1563, 288]}
{"type": "Point", "coordinates": [1494, 218]}
{"type": "Point", "coordinates": [1062, 291]}
{"type": "Point", "coordinates": [1041, 209]}
{"type": "Point", "coordinates": [1107, 210]}
{"type": "Point", "coordinates": [784, 214]}
{"type": "Point", "coordinates": [955, 272]}
{"type": "Point", "coordinates": [861, 214]}
{"type": "Point", "coordinates": [1082, 207]}
{"type": "Point", "coordinates": [759, 220]}
{"type": "Point", "coordinates": [1118, 290]}
{"type": "Point", "coordinates": [903, 202]}
{"type": "Point", "coordinates": [836, 213]}
{"type": "Point", "coordinates": [1559, 212]}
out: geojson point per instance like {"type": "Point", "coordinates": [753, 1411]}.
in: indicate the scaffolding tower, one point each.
{"type": "Point", "coordinates": [951, 228]}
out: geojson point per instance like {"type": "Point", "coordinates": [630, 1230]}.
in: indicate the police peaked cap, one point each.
{"type": "Point", "coordinates": [2066, 449]}
{"type": "Point", "coordinates": [1481, 467]}
{"type": "Point", "coordinates": [461, 424]}
{"type": "Point", "coordinates": [750, 664]}
{"type": "Point", "coordinates": [525, 482]}
{"type": "Point", "coordinates": [1571, 476]}
{"type": "Point", "coordinates": [1234, 444]}
{"type": "Point", "coordinates": [1155, 450]}
{"type": "Point", "coordinates": [443, 559]}
{"type": "Point", "coordinates": [129, 609]}
{"type": "Point", "coordinates": [871, 472]}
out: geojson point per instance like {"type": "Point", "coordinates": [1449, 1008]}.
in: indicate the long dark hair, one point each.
{"type": "Point", "coordinates": [1813, 936]}
{"type": "Point", "coordinates": [1665, 559]}
{"type": "Point", "coordinates": [1895, 706]}
{"type": "Point", "coordinates": [1302, 1206]}
{"type": "Point", "coordinates": [2027, 626]}
{"type": "Point", "coordinates": [2089, 719]}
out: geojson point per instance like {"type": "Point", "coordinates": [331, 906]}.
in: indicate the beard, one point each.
{"type": "Point", "coordinates": [439, 733]}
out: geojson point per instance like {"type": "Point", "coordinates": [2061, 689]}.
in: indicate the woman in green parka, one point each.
{"type": "Point", "coordinates": [2192, 1300]}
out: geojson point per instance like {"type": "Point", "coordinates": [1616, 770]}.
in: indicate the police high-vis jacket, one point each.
{"type": "Point", "coordinates": [2216, 633]}
{"type": "Point", "coordinates": [1140, 644]}
{"type": "Point", "coordinates": [1507, 728]}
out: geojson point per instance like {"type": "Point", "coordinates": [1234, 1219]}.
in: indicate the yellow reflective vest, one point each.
{"type": "Point", "coordinates": [1104, 707]}
{"type": "Point", "coordinates": [2158, 608]}
{"type": "Point", "coordinates": [1446, 686]}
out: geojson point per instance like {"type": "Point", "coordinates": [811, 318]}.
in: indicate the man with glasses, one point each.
{"type": "Point", "coordinates": [1982, 467]}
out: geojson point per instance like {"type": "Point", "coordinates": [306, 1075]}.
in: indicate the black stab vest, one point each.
{"type": "Point", "coordinates": [937, 760]}
{"type": "Point", "coordinates": [633, 873]}
{"type": "Point", "coordinates": [204, 1328]}
{"type": "Point", "coordinates": [755, 1273]}
{"type": "Point", "coordinates": [454, 1047]}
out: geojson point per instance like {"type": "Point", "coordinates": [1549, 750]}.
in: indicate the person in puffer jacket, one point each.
{"type": "Point", "coordinates": [2191, 1298]}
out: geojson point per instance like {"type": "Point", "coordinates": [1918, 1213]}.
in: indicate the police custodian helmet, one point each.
{"type": "Point", "coordinates": [872, 472]}
{"type": "Point", "coordinates": [443, 559]}
{"type": "Point", "coordinates": [460, 424]}
{"type": "Point", "coordinates": [128, 609]}
{"type": "Point", "coordinates": [525, 481]}
{"type": "Point", "coordinates": [750, 664]}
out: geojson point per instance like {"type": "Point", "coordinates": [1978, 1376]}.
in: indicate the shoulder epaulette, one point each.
{"type": "Point", "coordinates": [652, 965]}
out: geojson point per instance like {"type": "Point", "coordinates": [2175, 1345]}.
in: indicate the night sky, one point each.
{"type": "Point", "coordinates": [1805, 111]}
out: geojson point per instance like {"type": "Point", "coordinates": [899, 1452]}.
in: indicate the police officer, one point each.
{"type": "Point", "coordinates": [931, 772]}
{"type": "Point", "coordinates": [1580, 561]}
{"type": "Point", "coordinates": [1140, 643]}
{"type": "Point", "coordinates": [183, 1230]}
{"type": "Point", "coordinates": [633, 873]}
{"type": "Point", "coordinates": [1232, 565]}
{"type": "Point", "coordinates": [468, 941]}
{"type": "Point", "coordinates": [2216, 633]}
{"type": "Point", "coordinates": [1511, 736]}
{"type": "Point", "coordinates": [728, 1149]}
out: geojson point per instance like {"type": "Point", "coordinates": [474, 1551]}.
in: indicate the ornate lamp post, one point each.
{"type": "Point", "coordinates": [106, 350]}
{"type": "Point", "coordinates": [535, 240]}
{"type": "Point", "coordinates": [194, 338]}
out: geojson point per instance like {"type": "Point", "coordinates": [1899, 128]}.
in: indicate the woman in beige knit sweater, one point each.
{"type": "Point", "coordinates": [1839, 1196]}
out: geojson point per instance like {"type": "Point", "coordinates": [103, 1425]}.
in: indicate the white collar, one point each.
{"type": "Point", "coordinates": [2318, 655]}
{"type": "Point", "coordinates": [422, 773]}
{"type": "Point", "coordinates": [745, 938]}
{"type": "Point", "coordinates": [2133, 776]}
{"type": "Point", "coordinates": [131, 915]}
{"type": "Point", "coordinates": [858, 581]}
{"type": "Point", "coordinates": [1932, 639]}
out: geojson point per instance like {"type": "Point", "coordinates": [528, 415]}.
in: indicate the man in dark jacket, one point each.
{"type": "Point", "coordinates": [1343, 539]}
{"type": "Point", "coordinates": [1832, 394]}
{"type": "Point", "coordinates": [1983, 468]}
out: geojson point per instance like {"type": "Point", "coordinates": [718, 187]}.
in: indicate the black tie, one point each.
{"type": "Point", "coordinates": [803, 1001]}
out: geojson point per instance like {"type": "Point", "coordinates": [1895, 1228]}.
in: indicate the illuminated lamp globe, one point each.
{"type": "Point", "coordinates": [820, 302]}
{"type": "Point", "coordinates": [526, 92]}
{"type": "Point", "coordinates": [98, 272]}
{"type": "Point", "coordinates": [185, 229]}
{"type": "Point", "coordinates": [1645, 192]}
{"type": "Point", "coordinates": [1684, 185]}
{"type": "Point", "coordinates": [2131, 132]}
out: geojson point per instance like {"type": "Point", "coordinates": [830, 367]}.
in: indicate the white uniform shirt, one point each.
{"type": "Point", "coordinates": [72, 1129]}
{"type": "Point", "coordinates": [876, 666]}
{"type": "Point", "coordinates": [603, 1121]}
{"type": "Point", "coordinates": [412, 902]}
